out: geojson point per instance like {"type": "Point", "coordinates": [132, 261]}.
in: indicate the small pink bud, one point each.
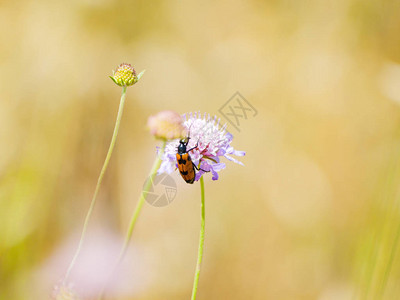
{"type": "Point", "coordinates": [166, 125]}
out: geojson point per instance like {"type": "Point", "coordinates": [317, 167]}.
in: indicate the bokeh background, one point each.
{"type": "Point", "coordinates": [313, 214]}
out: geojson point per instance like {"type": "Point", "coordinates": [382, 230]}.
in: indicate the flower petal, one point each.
{"type": "Point", "coordinates": [221, 152]}
{"type": "Point", "coordinates": [239, 153]}
{"type": "Point", "coordinates": [205, 165]}
{"type": "Point", "coordinates": [233, 159]}
{"type": "Point", "coordinates": [166, 167]}
{"type": "Point", "coordinates": [198, 175]}
{"type": "Point", "coordinates": [218, 167]}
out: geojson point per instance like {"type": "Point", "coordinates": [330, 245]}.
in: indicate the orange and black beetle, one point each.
{"type": "Point", "coordinates": [185, 164]}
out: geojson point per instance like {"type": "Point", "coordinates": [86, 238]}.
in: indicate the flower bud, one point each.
{"type": "Point", "coordinates": [125, 75]}
{"type": "Point", "coordinates": [167, 125]}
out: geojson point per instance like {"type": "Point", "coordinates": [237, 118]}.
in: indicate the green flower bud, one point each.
{"type": "Point", "coordinates": [125, 75]}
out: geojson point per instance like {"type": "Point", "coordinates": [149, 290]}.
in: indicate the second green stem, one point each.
{"type": "Point", "coordinates": [138, 208]}
{"type": "Point", "coordinates": [140, 203]}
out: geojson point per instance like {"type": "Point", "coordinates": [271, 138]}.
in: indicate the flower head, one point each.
{"type": "Point", "coordinates": [125, 75]}
{"type": "Point", "coordinates": [212, 141]}
{"type": "Point", "coordinates": [167, 125]}
{"type": "Point", "coordinates": [63, 292]}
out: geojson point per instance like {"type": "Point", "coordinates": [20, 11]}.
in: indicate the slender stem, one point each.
{"type": "Point", "coordinates": [146, 188]}
{"type": "Point", "coordinates": [136, 212]}
{"type": "Point", "coordinates": [201, 242]}
{"type": "Point", "coordinates": [99, 180]}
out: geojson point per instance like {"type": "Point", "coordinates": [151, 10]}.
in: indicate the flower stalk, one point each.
{"type": "Point", "coordinates": [139, 205]}
{"type": "Point", "coordinates": [99, 181]}
{"type": "Point", "coordinates": [201, 241]}
{"type": "Point", "coordinates": [135, 215]}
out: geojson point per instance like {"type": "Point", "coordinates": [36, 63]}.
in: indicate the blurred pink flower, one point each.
{"type": "Point", "coordinates": [166, 125]}
{"type": "Point", "coordinates": [94, 269]}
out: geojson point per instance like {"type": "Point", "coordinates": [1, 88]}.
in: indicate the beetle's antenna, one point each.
{"type": "Point", "coordinates": [188, 137]}
{"type": "Point", "coordinates": [189, 130]}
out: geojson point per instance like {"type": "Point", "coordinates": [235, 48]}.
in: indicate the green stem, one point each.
{"type": "Point", "coordinates": [99, 180]}
{"type": "Point", "coordinates": [146, 188]}
{"type": "Point", "coordinates": [201, 242]}
{"type": "Point", "coordinates": [138, 208]}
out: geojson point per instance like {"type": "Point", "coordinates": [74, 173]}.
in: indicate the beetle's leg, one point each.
{"type": "Point", "coordinates": [197, 144]}
{"type": "Point", "coordinates": [199, 169]}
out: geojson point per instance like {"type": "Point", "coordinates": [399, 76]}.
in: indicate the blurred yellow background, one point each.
{"type": "Point", "coordinates": [313, 214]}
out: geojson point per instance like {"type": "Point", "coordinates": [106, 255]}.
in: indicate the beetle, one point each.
{"type": "Point", "coordinates": [185, 164]}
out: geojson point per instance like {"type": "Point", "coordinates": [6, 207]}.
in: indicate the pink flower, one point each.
{"type": "Point", "coordinates": [212, 140]}
{"type": "Point", "coordinates": [166, 125]}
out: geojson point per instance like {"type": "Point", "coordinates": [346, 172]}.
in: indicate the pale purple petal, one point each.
{"type": "Point", "coordinates": [215, 174]}
{"type": "Point", "coordinates": [221, 152]}
{"type": "Point", "coordinates": [166, 167]}
{"type": "Point", "coordinates": [229, 136]}
{"type": "Point", "coordinates": [205, 165]}
{"type": "Point", "coordinates": [233, 159]}
{"type": "Point", "coordinates": [198, 175]}
{"type": "Point", "coordinates": [230, 150]}
{"type": "Point", "coordinates": [238, 153]}
{"type": "Point", "coordinates": [218, 167]}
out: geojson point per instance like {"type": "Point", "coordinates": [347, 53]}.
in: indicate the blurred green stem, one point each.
{"type": "Point", "coordinates": [379, 212]}
{"type": "Point", "coordinates": [201, 242]}
{"type": "Point", "coordinates": [138, 208]}
{"type": "Point", "coordinates": [390, 262]}
{"type": "Point", "coordinates": [99, 180]}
